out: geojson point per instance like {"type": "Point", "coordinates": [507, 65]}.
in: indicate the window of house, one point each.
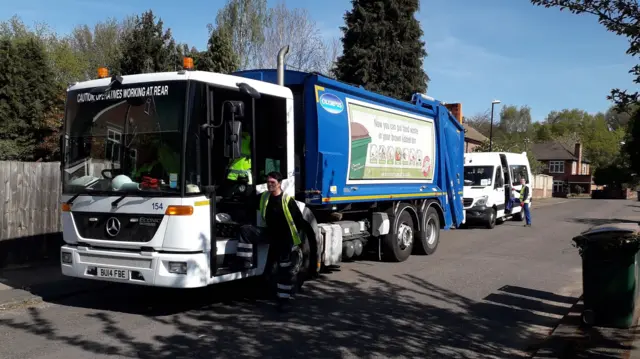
{"type": "Point", "coordinates": [113, 144]}
{"type": "Point", "coordinates": [519, 171]}
{"type": "Point", "coordinates": [558, 186]}
{"type": "Point", "coordinates": [585, 171]}
{"type": "Point", "coordinates": [574, 168]}
{"type": "Point", "coordinates": [556, 166]}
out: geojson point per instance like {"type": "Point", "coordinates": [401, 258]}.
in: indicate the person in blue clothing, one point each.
{"type": "Point", "coordinates": [525, 201]}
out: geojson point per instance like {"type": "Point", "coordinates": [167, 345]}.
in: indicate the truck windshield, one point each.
{"type": "Point", "coordinates": [128, 137]}
{"type": "Point", "coordinates": [478, 175]}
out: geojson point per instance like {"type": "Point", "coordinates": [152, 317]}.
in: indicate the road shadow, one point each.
{"type": "Point", "coordinates": [601, 221]}
{"type": "Point", "coordinates": [44, 280]}
{"type": "Point", "coordinates": [572, 339]}
{"type": "Point", "coordinates": [365, 317]}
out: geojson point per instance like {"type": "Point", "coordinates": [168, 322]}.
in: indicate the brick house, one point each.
{"type": "Point", "coordinates": [568, 167]}
{"type": "Point", "coordinates": [472, 138]}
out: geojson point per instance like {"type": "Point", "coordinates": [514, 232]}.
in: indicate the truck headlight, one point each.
{"type": "Point", "coordinates": [482, 201]}
{"type": "Point", "coordinates": [66, 258]}
{"type": "Point", "coordinates": [178, 267]}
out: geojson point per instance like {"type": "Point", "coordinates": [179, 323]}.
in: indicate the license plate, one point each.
{"type": "Point", "coordinates": [113, 273]}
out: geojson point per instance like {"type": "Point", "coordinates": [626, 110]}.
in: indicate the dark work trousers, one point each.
{"type": "Point", "coordinates": [289, 263]}
{"type": "Point", "coordinates": [248, 238]}
{"type": "Point", "coordinates": [289, 259]}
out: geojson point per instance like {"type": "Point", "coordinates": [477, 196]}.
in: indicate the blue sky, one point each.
{"type": "Point", "coordinates": [478, 50]}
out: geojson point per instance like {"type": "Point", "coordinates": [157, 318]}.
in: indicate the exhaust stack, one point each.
{"type": "Point", "coordinates": [281, 55]}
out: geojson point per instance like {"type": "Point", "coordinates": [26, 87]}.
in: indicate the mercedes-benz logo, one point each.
{"type": "Point", "coordinates": [113, 226]}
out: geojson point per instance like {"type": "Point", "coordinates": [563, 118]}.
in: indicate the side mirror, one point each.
{"type": "Point", "coordinates": [235, 129]}
{"type": "Point", "coordinates": [236, 108]}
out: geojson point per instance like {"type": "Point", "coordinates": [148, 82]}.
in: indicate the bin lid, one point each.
{"type": "Point", "coordinates": [624, 227]}
{"type": "Point", "coordinates": [358, 131]}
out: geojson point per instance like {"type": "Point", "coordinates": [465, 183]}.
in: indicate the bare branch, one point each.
{"type": "Point", "coordinates": [293, 27]}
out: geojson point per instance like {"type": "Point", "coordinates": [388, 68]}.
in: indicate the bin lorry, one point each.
{"type": "Point", "coordinates": [146, 199]}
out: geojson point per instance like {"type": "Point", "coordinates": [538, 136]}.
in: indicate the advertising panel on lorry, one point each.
{"type": "Point", "coordinates": [388, 144]}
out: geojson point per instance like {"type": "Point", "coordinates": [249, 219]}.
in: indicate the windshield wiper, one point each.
{"type": "Point", "coordinates": [84, 191]}
{"type": "Point", "coordinates": [114, 204]}
{"type": "Point", "coordinates": [70, 201]}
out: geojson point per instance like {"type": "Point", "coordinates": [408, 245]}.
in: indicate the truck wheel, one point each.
{"type": "Point", "coordinates": [399, 242]}
{"type": "Point", "coordinates": [429, 238]}
{"type": "Point", "coordinates": [310, 248]}
{"type": "Point", "coordinates": [491, 218]}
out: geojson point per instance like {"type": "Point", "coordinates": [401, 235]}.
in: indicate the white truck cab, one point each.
{"type": "Point", "coordinates": [492, 186]}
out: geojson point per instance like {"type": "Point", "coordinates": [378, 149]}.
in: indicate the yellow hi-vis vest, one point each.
{"type": "Point", "coordinates": [264, 201]}
{"type": "Point", "coordinates": [240, 167]}
{"type": "Point", "coordinates": [522, 199]}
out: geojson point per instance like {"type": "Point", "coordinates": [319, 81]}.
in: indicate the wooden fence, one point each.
{"type": "Point", "coordinates": [30, 193]}
{"type": "Point", "coordinates": [542, 186]}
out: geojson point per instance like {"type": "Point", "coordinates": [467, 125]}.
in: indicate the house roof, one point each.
{"type": "Point", "coordinates": [547, 151]}
{"type": "Point", "coordinates": [473, 134]}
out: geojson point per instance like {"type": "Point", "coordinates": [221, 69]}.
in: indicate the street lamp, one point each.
{"type": "Point", "coordinates": [493, 103]}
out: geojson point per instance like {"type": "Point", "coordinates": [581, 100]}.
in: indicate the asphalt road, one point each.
{"type": "Point", "coordinates": [483, 294]}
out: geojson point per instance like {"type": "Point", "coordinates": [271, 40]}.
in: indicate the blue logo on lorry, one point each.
{"type": "Point", "coordinates": [331, 103]}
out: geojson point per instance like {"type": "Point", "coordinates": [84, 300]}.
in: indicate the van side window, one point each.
{"type": "Point", "coordinates": [519, 171]}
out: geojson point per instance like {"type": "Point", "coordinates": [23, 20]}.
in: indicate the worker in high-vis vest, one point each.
{"type": "Point", "coordinates": [525, 201]}
{"type": "Point", "coordinates": [281, 223]}
{"type": "Point", "coordinates": [240, 168]}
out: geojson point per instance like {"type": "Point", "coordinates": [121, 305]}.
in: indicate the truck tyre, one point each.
{"type": "Point", "coordinates": [491, 218]}
{"type": "Point", "coordinates": [428, 238]}
{"type": "Point", "coordinates": [398, 244]}
{"type": "Point", "coordinates": [310, 249]}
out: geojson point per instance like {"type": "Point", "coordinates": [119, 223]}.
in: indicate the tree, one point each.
{"type": "Point", "coordinates": [631, 147]}
{"type": "Point", "coordinates": [147, 48]}
{"type": "Point", "coordinates": [601, 144]}
{"type": "Point", "coordinates": [293, 27]}
{"type": "Point", "coordinates": [614, 175]}
{"type": "Point", "coordinates": [619, 118]}
{"type": "Point", "coordinates": [382, 50]}
{"type": "Point", "coordinates": [244, 20]}
{"type": "Point", "coordinates": [43, 114]}
{"type": "Point", "coordinates": [515, 120]}
{"type": "Point", "coordinates": [219, 56]}
{"type": "Point", "coordinates": [28, 94]}
{"type": "Point", "coordinates": [480, 121]}
{"type": "Point", "coordinates": [332, 50]}
{"type": "Point", "coordinates": [621, 17]}
{"type": "Point", "coordinates": [102, 46]}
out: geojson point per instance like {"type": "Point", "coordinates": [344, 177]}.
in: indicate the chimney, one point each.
{"type": "Point", "coordinates": [578, 153]}
{"type": "Point", "coordinates": [456, 110]}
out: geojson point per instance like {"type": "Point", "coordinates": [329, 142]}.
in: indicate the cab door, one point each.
{"type": "Point", "coordinates": [499, 198]}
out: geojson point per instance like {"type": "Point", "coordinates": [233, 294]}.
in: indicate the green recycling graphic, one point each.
{"type": "Point", "coordinates": [389, 146]}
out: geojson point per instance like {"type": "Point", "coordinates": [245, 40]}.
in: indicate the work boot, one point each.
{"type": "Point", "coordinates": [283, 306]}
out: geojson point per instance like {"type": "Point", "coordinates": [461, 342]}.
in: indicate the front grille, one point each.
{"type": "Point", "coordinates": [467, 202]}
{"type": "Point", "coordinates": [122, 227]}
